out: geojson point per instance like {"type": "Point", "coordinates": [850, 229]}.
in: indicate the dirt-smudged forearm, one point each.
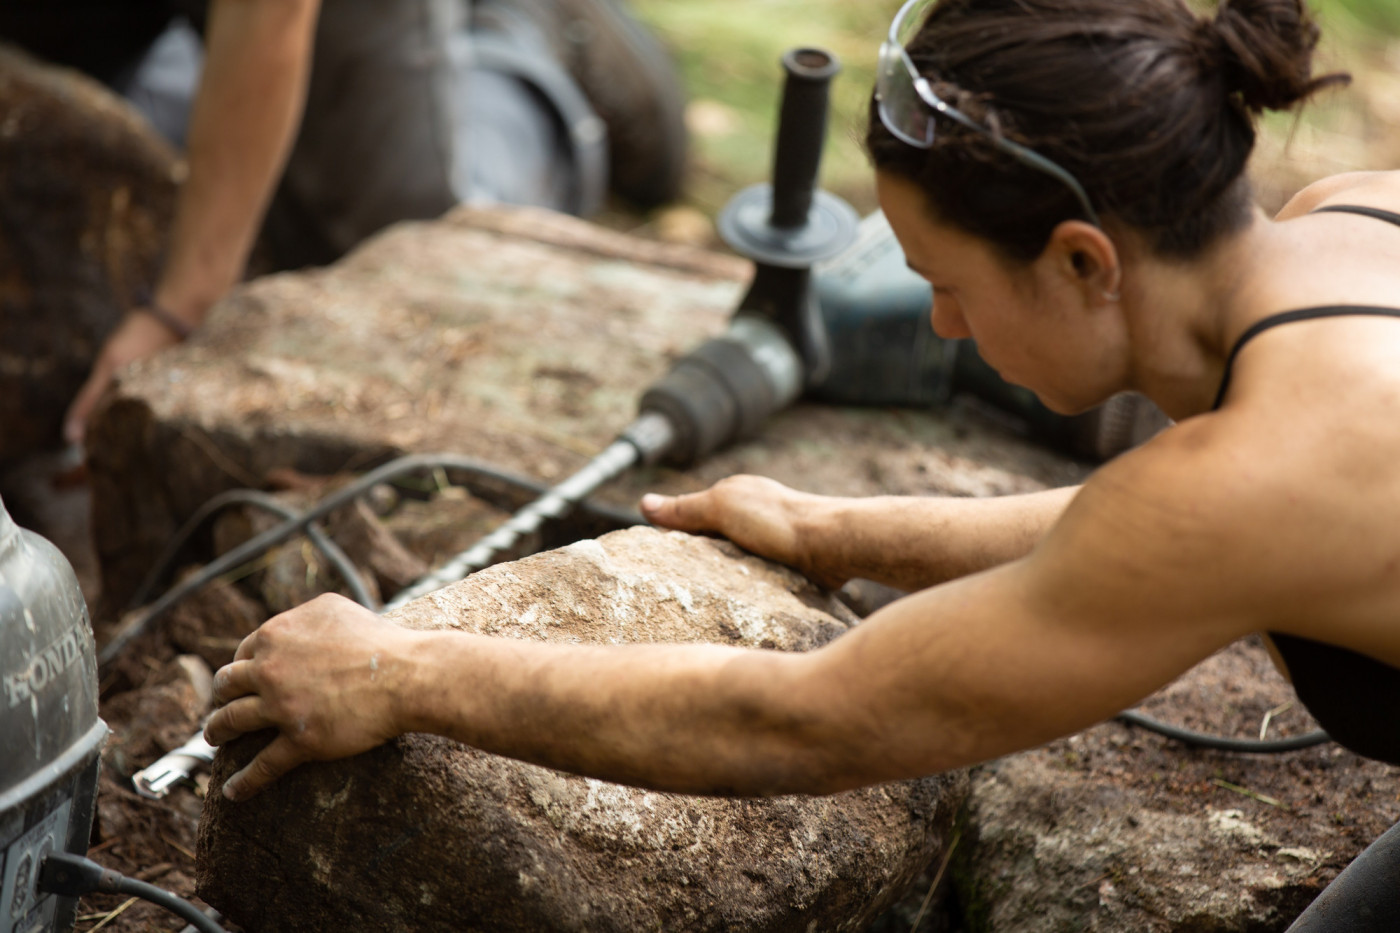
{"type": "Point", "coordinates": [686, 718]}
{"type": "Point", "coordinates": [915, 542]}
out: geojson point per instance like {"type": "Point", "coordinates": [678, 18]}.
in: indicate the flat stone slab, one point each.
{"type": "Point", "coordinates": [425, 834]}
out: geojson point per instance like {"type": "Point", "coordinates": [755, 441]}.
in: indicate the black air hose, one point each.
{"type": "Point", "coordinates": [1202, 740]}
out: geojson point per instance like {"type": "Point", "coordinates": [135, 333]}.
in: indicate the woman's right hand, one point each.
{"type": "Point", "coordinates": [758, 514]}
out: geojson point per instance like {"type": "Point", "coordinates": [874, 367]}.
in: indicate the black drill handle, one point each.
{"type": "Point", "coordinates": [801, 134]}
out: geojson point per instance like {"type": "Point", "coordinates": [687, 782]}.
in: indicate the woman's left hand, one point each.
{"type": "Point", "coordinates": [758, 514]}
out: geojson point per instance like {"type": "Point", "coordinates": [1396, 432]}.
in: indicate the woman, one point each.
{"type": "Point", "coordinates": [1068, 174]}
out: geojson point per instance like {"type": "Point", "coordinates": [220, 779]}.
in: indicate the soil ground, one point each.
{"type": "Point", "coordinates": [1286, 796]}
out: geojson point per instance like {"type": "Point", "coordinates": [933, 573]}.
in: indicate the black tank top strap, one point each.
{"type": "Point", "coordinates": [1308, 314]}
{"type": "Point", "coordinates": [1343, 689]}
{"type": "Point", "coordinates": [1376, 212]}
{"type": "Point", "coordinates": [1288, 317]}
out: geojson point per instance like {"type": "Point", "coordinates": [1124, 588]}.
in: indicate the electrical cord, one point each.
{"type": "Point", "coordinates": [1202, 740]}
{"type": "Point", "coordinates": [392, 470]}
{"type": "Point", "coordinates": [259, 544]}
{"type": "Point", "coordinates": [70, 875]}
{"type": "Point", "coordinates": [331, 551]}
{"type": "Point", "coordinates": [408, 464]}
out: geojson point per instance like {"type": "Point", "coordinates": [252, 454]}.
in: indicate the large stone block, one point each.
{"type": "Point", "coordinates": [425, 834]}
{"type": "Point", "coordinates": [86, 194]}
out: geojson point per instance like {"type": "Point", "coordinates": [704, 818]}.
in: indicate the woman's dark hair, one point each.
{"type": "Point", "coordinates": [1148, 105]}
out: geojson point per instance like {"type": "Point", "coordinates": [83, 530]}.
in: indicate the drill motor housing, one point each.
{"type": "Point", "coordinates": [876, 313]}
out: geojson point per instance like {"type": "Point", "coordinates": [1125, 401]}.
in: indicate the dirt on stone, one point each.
{"type": "Point", "coordinates": [524, 846]}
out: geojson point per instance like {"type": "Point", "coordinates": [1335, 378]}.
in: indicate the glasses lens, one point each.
{"type": "Point", "coordinates": [910, 115]}
{"type": "Point", "coordinates": [904, 113]}
{"type": "Point", "coordinates": [911, 17]}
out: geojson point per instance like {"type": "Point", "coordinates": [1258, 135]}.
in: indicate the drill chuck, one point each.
{"type": "Point", "coordinates": [775, 346]}
{"type": "Point", "coordinates": [724, 389]}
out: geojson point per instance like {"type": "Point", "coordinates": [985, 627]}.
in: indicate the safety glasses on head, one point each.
{"type": "Point", "coordinates": [909, 107]}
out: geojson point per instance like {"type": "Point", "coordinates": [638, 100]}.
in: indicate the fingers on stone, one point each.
{"type": "Point", "coordinates": [654, 505]}
{"type": "Point", "coordinates": [240, 717]}
{"type": "Point", "coordinates": [233, 680]}
{"type": "Point", "coordinates": [246, 646]}
{"type": "Point", "coordinates": [670, 511]}
{"type": "Point", "coordinates": [271, 763]}
{"type": "Point", "coordinates": [692, 511]}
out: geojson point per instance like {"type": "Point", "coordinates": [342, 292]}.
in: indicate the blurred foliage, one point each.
{"type": "Point", "coordinates": [730, 52]}
{"type": "Point", "coordinates": [1362, 19]}
{"type": "Point", "coordinates": [1356, 127]}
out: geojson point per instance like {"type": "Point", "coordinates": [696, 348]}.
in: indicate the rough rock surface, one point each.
{"type": "Point", "coordinates": [1118, 829]}
{"type": "Point", "coordinates": [86, 195]}
{"type": "Point", "coordinates": [515, 336]}
{"type": "Point", "coordinates": [426, 834]}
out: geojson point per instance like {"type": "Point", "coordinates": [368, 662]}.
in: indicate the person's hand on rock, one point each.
{"type": "Point", "coordinates": [326, 675]}
{"type": "Point", "coordinates": [139, 335]}
{"type": "Point", "coordinates": [756, 513]}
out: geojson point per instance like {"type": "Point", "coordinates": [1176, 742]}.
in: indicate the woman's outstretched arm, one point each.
{"type": "Point", "coordinates": [908, 542]}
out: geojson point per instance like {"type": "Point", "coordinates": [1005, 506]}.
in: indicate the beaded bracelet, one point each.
{"type": "Point", "coordinates": [145, 301]}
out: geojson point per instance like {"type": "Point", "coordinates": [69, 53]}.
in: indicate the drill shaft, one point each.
{"type": "Point", "coordinates": [620, 456]}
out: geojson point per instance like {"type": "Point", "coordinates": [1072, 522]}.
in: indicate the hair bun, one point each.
{"type": "Point", "coordinates": [1264, 51]}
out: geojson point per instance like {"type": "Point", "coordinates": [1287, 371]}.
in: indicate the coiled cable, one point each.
{"type": "Point", "coordinates": [332, 552]}
{"type": "Point", "coordinates": [261, 543]}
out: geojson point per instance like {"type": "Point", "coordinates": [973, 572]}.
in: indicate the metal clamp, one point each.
{"type": "Point", "coordinates": [155, 782]}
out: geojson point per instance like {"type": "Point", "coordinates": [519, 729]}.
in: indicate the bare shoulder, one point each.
{"type": "Point", "coordinates": [1375, 189]}
{"type": "Point", "coordinates": [1191, 527]}
{"type": "Point", "coordinates": [1243, 521]}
